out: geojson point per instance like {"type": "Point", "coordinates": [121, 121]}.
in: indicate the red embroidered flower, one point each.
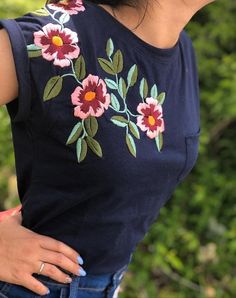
{"type": "Point", "coordinates": [57, 44]}
{"type": "Point", "coordinates": [150, 119]}
{"type": "Point", "coordinates": [69, 6]}
{"type": "Point", "coordinates": [91, 99]}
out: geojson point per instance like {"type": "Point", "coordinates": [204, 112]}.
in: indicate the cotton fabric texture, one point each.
{"type": "Point", "coordinates": [104, 128]}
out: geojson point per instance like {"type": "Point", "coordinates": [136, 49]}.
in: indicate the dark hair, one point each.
{"type": "Point", "coordinates": [115, 4]}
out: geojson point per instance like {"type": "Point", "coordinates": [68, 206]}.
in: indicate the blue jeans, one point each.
{"type": "Point", "coordinates": [89, 286]}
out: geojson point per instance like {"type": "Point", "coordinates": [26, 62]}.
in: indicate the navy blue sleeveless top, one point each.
{"type": "Point", "coordinates": [104, 128]}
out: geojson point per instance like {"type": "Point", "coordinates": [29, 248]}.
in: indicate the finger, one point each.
{"type": "Point", "coordinates": [53, 272]}
{"type": "Point", "coordinates": [57, 258]}
{"type": "Point", "coordinates": [34, 285]}
{"type": "Point", "coordinates": [55, 245]}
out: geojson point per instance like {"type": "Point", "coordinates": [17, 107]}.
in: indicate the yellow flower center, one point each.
{"type": "Point", "coordinates": [151, 120]}
{"type": "Point", "coordinates": [89, 96]}
{"type": "Point", "coordinates": [64, 2]}
{"type": "Point", "coordinates": [57, 41]}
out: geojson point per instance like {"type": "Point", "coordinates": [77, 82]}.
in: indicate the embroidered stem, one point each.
{"type": "Point", "coordinates": [84, 129]}
{"type": "Point", "coordinates": [53, 17]}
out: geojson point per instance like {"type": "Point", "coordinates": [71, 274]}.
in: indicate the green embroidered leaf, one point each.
{"type": "Point", "coordinates": [81, 149]}
{"type": "Point", "coordinates": [40, 12]}
{"type": "Point", "coordinates": [114, 102]}
{"type": "Point", "coordinates": [75, 133]}
{"type": "Point", "coordinates": [134, 129]}
{"type": "Point", "coordinates": [154, 91]}
{"type": "Point", "coordinates": [122, 88]}
{"type": "Point", "coordinates": [91, 125]}
{"type": "Point", "coordinates": [107, 66]}
{"type": "Point", "coordinates": [111, 84]}
{"type": "Point", "coordinates": [94, 146]}
{"type": "Point", "coordinates": [132, 75]}
{"type": "Point", "coordinates": [109, 47]}
{"type": "Point", "coordinates": [159, 141]}
{"type": "Point", "coordinates": [80, 70]}
{"type": "Point", "coordinates": [120, 118]}
{"type": "Point", "coordinates": [131, 144]}
{"type": "Point", "coordinates": [53, 88]}
{"type": "Point", "coordinates": [34, 51]}
{"type": "Point", "coordinates": [161, 98]}
{"type": "Point", "coordinates": [143, 88]}
{"type": "Point", "coordinates": [34, 54]}
{"type": "Point", "coordinates": [118, 61]}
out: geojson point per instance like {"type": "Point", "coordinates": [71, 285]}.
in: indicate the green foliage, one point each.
{"type": "Point", "coordinates": [190, 250]}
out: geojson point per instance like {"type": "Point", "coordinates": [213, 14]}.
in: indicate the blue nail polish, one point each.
{"type": "Point", "coordinates": [80, 260]}
{"type": "Point", "coordinates": [82, 272]}
{"type": "Point", "coordinates": [48, 292]}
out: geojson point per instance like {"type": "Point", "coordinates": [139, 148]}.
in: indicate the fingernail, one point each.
{"type": "Point", "coordinates": [68, 279]}
{"type": "Point", "coordinates": [80, 260]}
{"type": "Point", "coordinates": [82, 272]}
{"type": "Point", "coordinates": [48, 292]}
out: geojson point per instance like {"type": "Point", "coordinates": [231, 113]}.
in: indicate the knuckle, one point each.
{"type": "Point", "coordinates": [52, 270]}
{"type": "Point", "coordinates": [59, 258]}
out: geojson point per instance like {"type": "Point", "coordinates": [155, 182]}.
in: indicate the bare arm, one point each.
{"type": "Point", "coordinates": [8, 78]}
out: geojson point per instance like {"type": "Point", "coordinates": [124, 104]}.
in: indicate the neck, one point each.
{"type": "Point", "coordinates": [160, 22]}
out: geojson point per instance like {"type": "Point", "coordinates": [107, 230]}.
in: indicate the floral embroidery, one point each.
{"type": "Point", "coordinates": [69, 6]}
{"type": "Point", "coordinates": [94, 95]}
{"type": "Point", "coordinates": [151, 117]}
{"type": "Point", "coordinates": [57, 44]}
{"type": "Point", "coordinates": [91, 99]}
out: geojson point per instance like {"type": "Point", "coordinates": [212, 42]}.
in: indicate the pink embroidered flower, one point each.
{"type": "Point", "coordinates": [57, 44]}
{"type": "Point", "coordinates": [69, 6]}
{"type": "Point", "coordinates": [150, 119]}
{"type": "Point", "coordinates": [91, 99]}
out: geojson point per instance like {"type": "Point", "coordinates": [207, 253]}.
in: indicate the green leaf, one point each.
{"type": "Point", "coordinates": [34, 54]}
{"type": "Point", "coordinates": [91, 125]}
{"type": "Point", "coordinates": [134, 129]}
{"type": "Point", "coordinates": [53, 88]}
{"type": "Point", "coordinates": [159, 141]}
{"type": "Point", "coordinates": [161, 98]}
{"type": "Point", "coordinates": [107, 66]}
{"type": "Point", "coordinates": [80, 70]}
{"type": "Point", "coordinates": [94, 146]}
{"type": "Point", "coordinates": [109, 47]}
{"type": "Point", "coordinates": [34, 51]}
{"type": "Point", "coordinates": [122, 88]}
{"type": "Point", "coordinates": [131, 144]}
{"type": "Point", "coordinates": [143, 88]}
{"type": "Point", "coordinates": [111, 84]}
{"type": "Point", "coordinates": [118, 61]}
{"type": "Point", "coordinates": [154, 91]}
{"type": "Point", "coordinates": [120, 118]}
{"type": "Point", "coordinates": [40, 12]}
{"type": "Point", "coordinates": [75, 133]}
{"type": "Point", "coordinates": [114, 102]}
{"type": "Point", "coordinates": [132, 75]}
{"type": "Point", "coordinates": [81, 149]}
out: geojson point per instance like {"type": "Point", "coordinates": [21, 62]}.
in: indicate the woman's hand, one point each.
{"type": "Point", "coordinates": [22, 251]}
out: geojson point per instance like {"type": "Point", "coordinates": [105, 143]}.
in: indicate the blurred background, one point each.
{"type": "Point", "coordinates": [190, 251]}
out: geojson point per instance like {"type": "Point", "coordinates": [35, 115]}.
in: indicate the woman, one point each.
{"type": "Point", "coordinates": [105, 124]}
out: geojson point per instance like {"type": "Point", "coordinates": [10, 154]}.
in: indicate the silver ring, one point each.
{"type": "Point", "coordinates": [41, 267]}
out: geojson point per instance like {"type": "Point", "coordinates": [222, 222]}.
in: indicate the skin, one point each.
{"type": "Point", "coordinates": [163, 22]}
{"type": "Point", "coordinates": [22, 250]}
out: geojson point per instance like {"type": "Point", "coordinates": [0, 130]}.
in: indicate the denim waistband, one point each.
{"type": "Point", "coordinates": [100, 282]}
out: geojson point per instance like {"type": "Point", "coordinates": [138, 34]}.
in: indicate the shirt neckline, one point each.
{"type": "Point", "coordinates": [140, 44]}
